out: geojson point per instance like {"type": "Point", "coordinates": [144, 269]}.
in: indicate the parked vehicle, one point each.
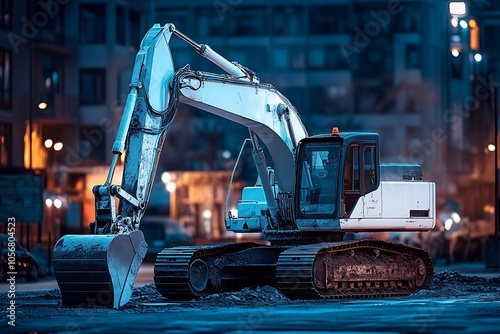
{"type": "Point", "coordinates": [162, 232]}
{"type": "Point", "coordinates": [25, 263]}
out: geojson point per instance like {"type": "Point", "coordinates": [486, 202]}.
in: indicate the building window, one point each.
{"type": "Point", "coordinates": [324, 20]}
{"type": "Point", "coordinates": [412, 56]}
{"type": "Point", "coordinates": [288, 20]}
{"type": "Point", "coordinates": [371, 99]}
{"type": "Point", "coordinates": [5, 145]}
{"type": "Point", "coordinates": [368, 18]}
{"type": "Point", "coordinates": [409, 20]}
{"type": "Point", "coordinates": [209, 24]}
{"type": "Point", "coordinates": [376, 59]}
{"type": "Point", "coordinates": [288, 58]}
{"type": "Point", "coordinates": [93, 24]}
{"type": "Point", "coordinates": [250, 21]}
{"type": "Point", "coordinates": [5, 79]}
{"type": "Point", "coordinates": [92, 86]}
{"type": "Point", "coordinates": [52, 31]}
{"type": "Point", "coordinates": [5, 13]}
{"type": "Point", "coordinates": [52, 74]}
{"type": "Point", "coordinates": [92, 151]}
{"type": "Point", "coordinates": [134, 18]}
{"type": "Point", "coordinates": [121, 29]}
{"type": "Point", "coordinates": [326, 57]}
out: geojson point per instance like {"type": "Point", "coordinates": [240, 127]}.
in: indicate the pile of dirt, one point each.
{"type": "Point", "coordinates": [453, 284]}
{"type": "Point", "coordinates": [265, 295]}
{"type": "Point", "coordinates": [147, 294]}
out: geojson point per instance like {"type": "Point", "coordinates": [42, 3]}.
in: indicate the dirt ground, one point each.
{"type": "Point", "coordinates": [44, 305]}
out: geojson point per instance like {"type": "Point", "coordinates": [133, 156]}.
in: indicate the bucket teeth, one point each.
{"type": "Point", "coordinates": [98, 270]}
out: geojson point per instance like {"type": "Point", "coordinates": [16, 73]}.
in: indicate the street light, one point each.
{"type": "Point", "coordinates": [57, 203]}
{"type": "Point", "coordinates": [457, 8]}
{"type": "Point", "coordinates": [48, 143]}
{"type": "Point", "coordinates": [171, 187]}
{"type": "Point", "coordinates": [58, 146]}
{"type": "Point", "coordinates": [42, 105]}
{"type": "Point", "coordinates": [455, 52]}
{"type": "Point", "coordinates": [491, 147]}
{"type": "Point", "coordinates": [166, 177]}
{"type": "Point", "coordinates": [478, 57]}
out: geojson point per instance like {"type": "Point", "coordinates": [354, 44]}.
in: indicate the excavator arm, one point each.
{"type": "Point", "coordinates": [155, 93]}
{"type": "Point", "coordinates": [102, 267]}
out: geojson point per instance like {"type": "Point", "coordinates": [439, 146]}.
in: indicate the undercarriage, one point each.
{"type": "Point", "coordinates": [342, 269]}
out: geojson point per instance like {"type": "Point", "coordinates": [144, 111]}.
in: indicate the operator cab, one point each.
{"type": "Point", "coordinates": [333, 172]}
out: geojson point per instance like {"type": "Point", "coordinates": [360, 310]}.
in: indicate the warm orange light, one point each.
{"type": "Point", "coordinates": [474, 35]}
{"type": "Point", "coordinates": [335, 131]}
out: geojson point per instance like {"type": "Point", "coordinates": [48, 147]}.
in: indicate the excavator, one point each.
{"type": "Point", "coordinates": [319, 188]}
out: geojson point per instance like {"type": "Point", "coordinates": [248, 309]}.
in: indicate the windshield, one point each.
{"type": "Point", "coordinates": [318, 179]}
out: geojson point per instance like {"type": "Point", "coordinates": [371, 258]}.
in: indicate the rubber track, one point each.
{"type": "Point", "coordinates": [295, 270]}
{"type": "Point", "coordinates": [171, 269]}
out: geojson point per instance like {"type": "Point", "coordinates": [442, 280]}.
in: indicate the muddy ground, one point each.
{"type": "Point", "coordinates": [476, 296]}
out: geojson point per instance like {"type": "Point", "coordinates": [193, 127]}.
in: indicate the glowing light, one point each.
{"type": "Point", "coordinates": [491, 148]}
{"type": "Point", "coordinates": [457, 8]}
{"type": "Point", "coordinates": [456, 218]}
{"type": "Point", "coordinates": [42, 105]}
{"type": "Point", "coordinates": [226, 154]}
{"type": "Point", "coordinates": [207, 214]}
{"type": "Point", "coordinates": [122, 156]}
{"type": "Point", "coordinates": [463, 24]}
{"type": "Point", "coordinates": [57, 203]}
{"type": "Point", "coordinates": [58, 146]}
{"type": "Point", "coordinates": [448, 224]}
{"type": "Point", "coordinates": [48, 202]}
{"type": "Point", "coordinates": [171, 187]}
{"type": "Point", "coordinates": [478, 57]}
{"type": "Point", "coordinates": [454, 22]}
{"type": "Point", "coordinates": [166, 177]}
{"type": "Point", "coordinates": [48, 143]}
{"type": "Point", "coordinates": [455, 53]}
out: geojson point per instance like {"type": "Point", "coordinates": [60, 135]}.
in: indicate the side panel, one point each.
{"type": "Point", "coordinates": [372, 207]}
{"type": "Point", "coordinates": [395, 205]}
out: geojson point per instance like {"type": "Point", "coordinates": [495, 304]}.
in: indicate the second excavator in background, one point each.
{"type": "Point", "coordinates": [319, 188]}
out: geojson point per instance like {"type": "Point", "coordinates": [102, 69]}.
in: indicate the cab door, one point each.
{"type": "Point", "coordinates": [372, 199]}
{"type": "Point", "coordinates": [360, 181]}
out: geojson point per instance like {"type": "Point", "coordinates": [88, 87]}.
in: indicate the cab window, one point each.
{"type": "Point", "coordinates": [369, 168]}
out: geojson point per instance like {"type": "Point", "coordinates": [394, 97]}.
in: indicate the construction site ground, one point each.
{"type": "Point", "coordinates": [463, 298]}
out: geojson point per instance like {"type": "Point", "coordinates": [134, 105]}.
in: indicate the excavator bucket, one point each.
{"type": "Point", "coordinates": [98, 270]}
